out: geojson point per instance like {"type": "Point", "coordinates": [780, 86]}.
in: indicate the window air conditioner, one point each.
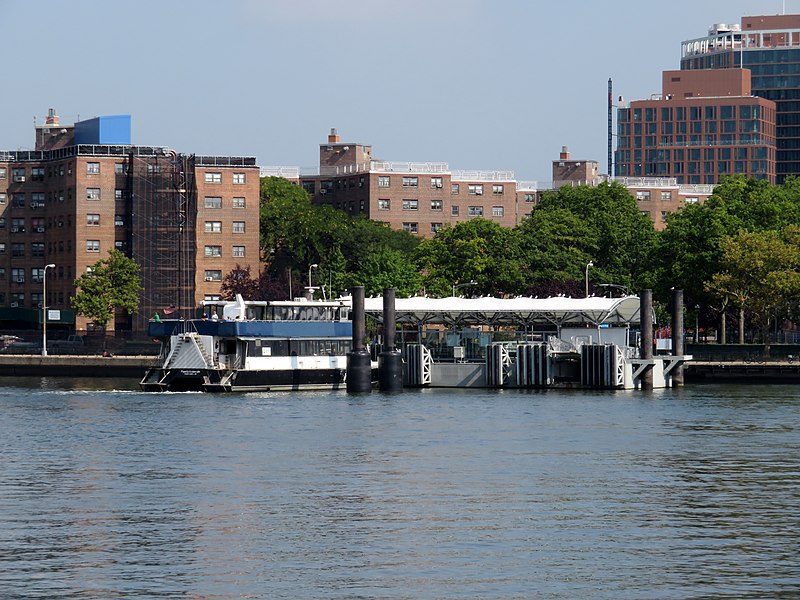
{"type": "Point", "coordinates": [323, 191]}
{"type": "Point", "coordinates": [14, 304]}
{"type": "Point", "coordinates": [20, 280]}
{"type": "Point", "coordinates": [34, 204]}
{"type": "Point", "coordinates": [40, 230]}
{"type": "Point", "coordinates": [209, 279]}
{"type": "Point", "coordinates": [15, 230]}
{"type": "Point", "coordinates": [19, 179]}
{"type": "Point", "coordinates": [479, 192]}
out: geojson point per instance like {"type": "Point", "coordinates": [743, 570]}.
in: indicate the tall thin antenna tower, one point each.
{"type": "Point", "coordinates": [610, 128]}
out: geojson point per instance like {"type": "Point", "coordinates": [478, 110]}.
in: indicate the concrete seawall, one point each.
{"type": "Point", "coordinates": [75, 365]}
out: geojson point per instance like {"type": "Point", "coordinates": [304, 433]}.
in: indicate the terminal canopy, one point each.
{"type": "Point", "coordinates": [560, 311]}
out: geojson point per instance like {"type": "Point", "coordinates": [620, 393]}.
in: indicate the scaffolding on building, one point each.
{"type": "Point", "coordinates": [161, 206]}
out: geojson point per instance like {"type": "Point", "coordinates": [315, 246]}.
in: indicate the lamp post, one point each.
{"type": "Point", "coordinates": [589, 264]}
{"type": "Point", "coordinates": [44, 308]}
{"type": "Point", "coordinates": [696, 323]}
{"type": "Point", "coordinates": [310, 289]}
{"type": "Point", "coordinates": [465, 284]}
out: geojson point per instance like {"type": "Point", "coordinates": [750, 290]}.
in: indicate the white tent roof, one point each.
{"type": "Point", "coordinates": [498, 311]}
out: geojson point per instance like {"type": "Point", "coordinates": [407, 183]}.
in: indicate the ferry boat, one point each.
{"type": "Point", "coordinates": [243, 346]}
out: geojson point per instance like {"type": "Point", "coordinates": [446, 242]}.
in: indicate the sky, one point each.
{"type": "Point", "coordinates": [477, 84]}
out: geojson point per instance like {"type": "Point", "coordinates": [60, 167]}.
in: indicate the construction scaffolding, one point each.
{"type": "Point", "coordinates": [161, 207]}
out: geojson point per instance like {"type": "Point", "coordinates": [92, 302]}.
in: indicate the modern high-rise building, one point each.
{"type": "Point", "coordinates": [703, 125]}
{"type": "Point", "coordinates": [187, 220]}
{"type": "Point", "coordinates": [769, 46]}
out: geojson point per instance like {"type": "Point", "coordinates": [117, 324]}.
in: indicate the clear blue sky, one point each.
{"type": "Point", "coordinates": [479, 84]}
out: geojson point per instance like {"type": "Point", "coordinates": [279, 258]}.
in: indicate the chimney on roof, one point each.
{"type": "Point", "coordinates": [564, 153]}
{"type": "Point", "coordinates": [333, 138]}
{"type": "Point", "coordinates": [52, 117]}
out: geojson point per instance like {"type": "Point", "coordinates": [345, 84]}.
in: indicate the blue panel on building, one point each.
{"type": "Point", "coordinates": [110, 130]}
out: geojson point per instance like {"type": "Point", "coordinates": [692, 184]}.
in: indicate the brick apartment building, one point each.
{"type": "Point", "coordinates": [418, 197]}
{"type": "Point", "coordinates": [186, 220]}
{"type": "Point", "coordinates": [704, 125]}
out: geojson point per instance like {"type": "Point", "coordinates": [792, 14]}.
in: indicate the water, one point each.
{"type": "Point", "coordinates": [106, 492]}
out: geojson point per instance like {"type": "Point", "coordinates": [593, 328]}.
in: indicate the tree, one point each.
{"type": "Point", "coordinates": [476, 250]}
{"type": "Point", "coordinates": [386, 267]}
{"type": "Point", "coordinates": [112, 283]}
{"type": "Point", "coordinates": [239, 281]}
{"type": "Point", "coordinates": [760, 271]}
{"type": "Point", "coordinates": [575, 225]}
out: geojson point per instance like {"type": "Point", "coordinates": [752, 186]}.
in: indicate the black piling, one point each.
{"type": "Point", "coordinates": [390, 362]}
{"type": "Point", "coordinates": [359, 369]}
{"type": "Point", "coordinates": [677, 335]}
{"type": "Point", "coordinates": [646, 349]}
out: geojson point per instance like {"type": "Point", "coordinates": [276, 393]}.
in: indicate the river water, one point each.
{"type": "Point", "coordinates": [106, 492]}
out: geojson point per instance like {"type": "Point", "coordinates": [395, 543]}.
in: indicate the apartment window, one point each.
{"type": "Point", "coordinates": [435, 227]}
{"type": "Point", "coordinates": [93, 168]}
{"type": "Point", "coordinates": [2, 222]}
{"type": "Point", "coordinates": [436, 205]}
{"type": "Point", "coordinates": [454, 211]}
{"type": "Point", "coordinates": [93, 220]}
{"type": "Point", "coordinates": [93, 245]}
{"type": "Point", "coordinates": [410, 227]}
{"type": "Point", "coordinates": [119, 168]}
{"type": "Point", "coordinates": [17, 299]}
{"type": "Point", "coordinates": [213, 251]}
{"type": "Point", "coordinates": [154, 168]}
{"type": "Point", "coordinates": [436, 182]}
{"type": "Point", "coordinates": [475, 211]}
{"type": "Point", "coordinates": [18, 175]}
{"type": "Point", "coordinates": [37, 249]}
{"type": "Point", "coordinates": [309, 186]}
{"type": "Point", "coordinates": [3, 198]}
{"type": "Point", "coordinates": [119, 194]}
{"type": "Point", "coordinates": [410, 204]}
{"type": "Point", "coordinates": [497, 189]}
{"type": "Point", "coordinates": [384, 204]}
{"type": "Point", "coordinates": [18, 250]}
{"type": "Point", "coordinates": [18, 275]}
{"type": "Point", "coordinates": [3, 173]}
{"type": "Point", "coordinates": [498, 211]}
{"type": "Point", "coordinates": [410, 182]}
{"type": "Point", "coordinates": [119, 221]}
{"type": "Point", "coordinates": [93, 193]}
{"type": "Point", "coordinates": [121, 245]}
{"type": "Point", "coordinates": [212, 297]}
{"type": "Point", "coordinates": [239, 203]}
{"type": "Point", "coordinates": [666, 195]}
{"type": "Point", "coordinates": [2, 248]}
{"type": "Point", "coordinates": [238, 226]}
{"type": "Point", "coordinates": [17, 225]}
{"type": "Point", "coordinates": [213, 227]}
{"type": "Point", "coordinates": [37, 200]}
{"type": "Point", "coordinates": [664, 214]}
{"type": "Point", "coordinates": [454, 189]}
{"type": "Point", "coordinates": [691, 200]}
{"type": "Point", "coordinates": [213, 177]}
{"type": "Point", "coordinates": [238, 251]}
{"type": "Point", "coordinates": [37, 174]}
{"type": "Point", "coordinates": [2, 273]}
{"type": "Point", "coordinates": [18, 200]}
{"type": "Point", "coordinates": [239, 178]}
{"type": "Point", "coordinates": [642, 195]}
{"type": "Point", "coordinates": [212, 202]}
{"type": "Point", "coordinates": [212, 275]}
{"type": "Point", "coordinates": [37, 275]}
{"type": "Point", "coordinates": [530, 197]}
{"type": "Point", "coordinates": [476, 189]}
{"type": "Point", "coordinates": [37, 224]}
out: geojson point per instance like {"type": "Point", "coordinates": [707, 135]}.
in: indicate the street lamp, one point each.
{"type": "Point", "coordinates": [696, 323]}
{"type": "Point", "coordinates": [589, 264]}
{"type": "Point", "coordinates": [44, 308]}
{"type": "Point", "coordinates": [314, 266]}
{"type": "Point", "coordinates": [465, 284]}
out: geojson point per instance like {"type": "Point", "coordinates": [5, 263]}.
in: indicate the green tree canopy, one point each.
{"type": "Point", "coordinates": [476, 250]}
{"type": "Point", "coordinates": [575, 225]}
{"type": "Point", "coordinates": [760, 271]}
{"type": "Point", "coordinates": [113, 283]}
